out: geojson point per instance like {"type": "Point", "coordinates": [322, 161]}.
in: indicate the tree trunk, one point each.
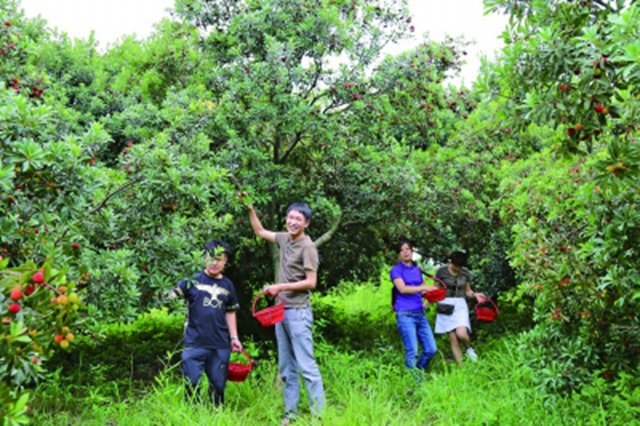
{"type": "Point", "coordinates": [275, 260]}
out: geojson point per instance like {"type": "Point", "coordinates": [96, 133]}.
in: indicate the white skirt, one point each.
{"type": "Point", "coordinates": [459, 317]}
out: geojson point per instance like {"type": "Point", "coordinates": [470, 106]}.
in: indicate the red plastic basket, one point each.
{"type": "Point", "coordinates": [271, 315]}
{"type": "Point", "coordinates": [438, 294]}
{"type": "Point", "coordinates": [238, 372]}
{"type": "Point", "coordinates": [486, 313]}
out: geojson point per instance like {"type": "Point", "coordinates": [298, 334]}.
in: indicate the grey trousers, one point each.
{"type": "Point", "coordinates": [295, 354]}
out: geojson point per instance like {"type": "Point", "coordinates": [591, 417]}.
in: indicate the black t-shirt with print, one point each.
{"type": "Point", "coordinates": [209, 300]}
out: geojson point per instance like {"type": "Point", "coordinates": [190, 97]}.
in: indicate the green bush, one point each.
{"type": "Point", "coordinates": [134, 351]}
{"type": "Point", "coordinates": [39, 310]}
{"type": "Point", "coordinates": [356, 315]}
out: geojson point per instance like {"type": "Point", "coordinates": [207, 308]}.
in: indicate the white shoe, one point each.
{"type": "Point", "coordinates": [473, 356]}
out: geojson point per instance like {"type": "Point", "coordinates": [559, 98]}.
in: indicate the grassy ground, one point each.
{"type": "Point", "coordinates": [361, 390]}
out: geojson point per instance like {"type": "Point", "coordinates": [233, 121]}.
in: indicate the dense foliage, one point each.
{"type": "Point", "coordinates": [39, 309]}
{"type": "Point", "coordinates": [568, 89]}
{"type": "Point", "coordinates": [117, 166]}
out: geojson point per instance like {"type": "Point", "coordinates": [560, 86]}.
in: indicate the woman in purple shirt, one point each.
{"type": "Point", "coordinates": [408, 286]}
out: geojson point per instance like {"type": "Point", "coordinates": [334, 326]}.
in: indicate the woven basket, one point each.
{"type": "Point", "coordinates": [437, 294]}
{"type": "Point", "coordinates": [238, 372]}
{"type": "Point", "coordinates": [271, 315]}
{"type": "Point", "coordinates": [486, 313]}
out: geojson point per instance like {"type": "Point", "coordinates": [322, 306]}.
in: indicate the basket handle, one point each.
{"type": "Point", "coordinates": [434, 278]}
{"type": "Point", "coordinates": [255, 300]}
{"type": "Point", "coordinates": [488, 299]}
{"type": "Point", "coordinates": [246, 355]}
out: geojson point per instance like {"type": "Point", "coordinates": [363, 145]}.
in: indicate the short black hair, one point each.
{"type": "Point", "coordinates": [216, 247]}
{"type": "Point", "coordinates": [459, 258]}
{"type": "Point", "coordinates": [403, 241]}
{"type": "Point", "coordinates": [302, 208]}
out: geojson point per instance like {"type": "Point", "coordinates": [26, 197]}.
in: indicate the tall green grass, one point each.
{"type": "Point", "coordinates": [367, 386]}
{"type": "Point", "coordinates": [362, 389]}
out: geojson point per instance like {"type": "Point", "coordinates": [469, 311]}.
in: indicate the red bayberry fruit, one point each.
{"type": "Point", "coordinates": [16, 293]}
{"type": "Point", "coordinates": [14, 308]}
{"type": "Point", "coordinates": [38, 277]}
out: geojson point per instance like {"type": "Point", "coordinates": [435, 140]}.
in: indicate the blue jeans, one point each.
{"type": "Point", "coordinates": [213, 362]}
{"type": "Point", "coordinates": [414, 327]}
{"type": "Point", "coordinates": [295, 354]}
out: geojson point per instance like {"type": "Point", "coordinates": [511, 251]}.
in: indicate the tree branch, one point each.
{"type": "Point", "coordinates": [109, 196]}
{"type": "Point", "coordinates": [235, 181]}
{"type": "Point", "coordinates": [318, 97]}
{"type": "Point", "coordinates": [297, 139]}
{"type": "Point", "coordinates": [605, 6]}
{"type": "Point", "coordinates": [101, 205]}
{"type": "Point", "coordinates": [327, 235]}
{"type": "Point", "coordinates": [316, 77]}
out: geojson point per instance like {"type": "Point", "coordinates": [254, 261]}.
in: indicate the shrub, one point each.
{"type": "Point", "coordinates": [39, 311]}
{"type": "Point", "coordinates": [356, 315]}
{"type": "Point", "coordinates": [133, 351]}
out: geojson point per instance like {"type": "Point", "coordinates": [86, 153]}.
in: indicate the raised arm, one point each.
{"type": "Point", "coordinates": [257, 227]}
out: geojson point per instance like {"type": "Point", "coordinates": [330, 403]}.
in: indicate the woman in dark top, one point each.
{"type": "Point", "coordinates": [456, 324]}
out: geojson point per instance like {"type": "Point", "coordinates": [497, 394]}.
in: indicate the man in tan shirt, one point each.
{"type": "Point", "coordinates": [298, 276]}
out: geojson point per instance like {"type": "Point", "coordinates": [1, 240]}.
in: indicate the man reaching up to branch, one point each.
{"type": "Point", "coordinates": [298, 269]}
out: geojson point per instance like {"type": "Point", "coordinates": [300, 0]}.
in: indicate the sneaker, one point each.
{"type": "Point", "coordinates": [473, 356]}
{"type": "Point", "coordinates": [289, 417]}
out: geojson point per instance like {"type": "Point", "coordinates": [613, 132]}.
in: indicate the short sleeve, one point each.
{"type": "Point", "coordinates": [181, 289]}
{"type": "Point", "coordinates": [281, 238]}
{"type": "Point", "coordinates": [395, 273]}
{"type": "Point", "coordinates": [232, 302]}
{"type": "Point", "coordinates": [310, 259]}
